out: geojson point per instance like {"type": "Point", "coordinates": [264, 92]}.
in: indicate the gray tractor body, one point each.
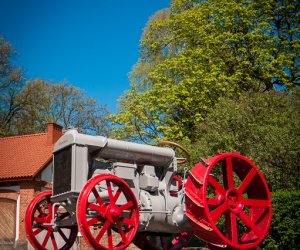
{"type": "Point", "coordinates": [148, 170]}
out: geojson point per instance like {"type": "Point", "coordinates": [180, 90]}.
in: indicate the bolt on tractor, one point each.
{"type": "Point", "coordinates": [116, 192]}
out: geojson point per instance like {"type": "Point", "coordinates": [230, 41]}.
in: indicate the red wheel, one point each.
{"type": "Point", "coordinates": [38, 226]}
{"type": "Point", "coordinates": [228, 202]}
{"type": "Point", "coordinates": [162, 241]}
{"type": "Point", "coordinates": [107, 213]}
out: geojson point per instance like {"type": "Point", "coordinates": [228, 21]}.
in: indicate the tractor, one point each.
{"type": "Point", "coordinates": [115, 193]}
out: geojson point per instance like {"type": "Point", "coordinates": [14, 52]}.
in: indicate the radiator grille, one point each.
{"type": "Point", "coordinates": [62, 171]}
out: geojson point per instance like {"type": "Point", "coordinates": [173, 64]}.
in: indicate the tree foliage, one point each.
{"type": "Point", "coordinates": [61, 103]}
{"type": "Point", "coordinates": [11, 81]}
{"type": "Point", "coordinates": [285, 230]}
{"type": "Point", "coordinates": [26, 107]}
{"type": "Point", "coordinates": [199, 51]}
{"type": "Point", "coordinates": [263, 126]}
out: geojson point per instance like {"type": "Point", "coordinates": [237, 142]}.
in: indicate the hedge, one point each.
{"type": "Point", "coordinates": [285, 227]}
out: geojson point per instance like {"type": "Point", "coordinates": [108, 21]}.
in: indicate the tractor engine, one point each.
{"type": "Point", "coordinates": [116, 192]}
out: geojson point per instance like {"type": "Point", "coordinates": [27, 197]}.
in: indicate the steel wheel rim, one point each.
{"type": "Point", "coordinates": [110, 217]}
{"type": "Point", "coordinates": [254, 212]}
{"type": "Point", "coordinates": [36, 215]}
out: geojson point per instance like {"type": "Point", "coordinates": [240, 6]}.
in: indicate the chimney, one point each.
{"type": "Point", "coordinates": [54, 132]}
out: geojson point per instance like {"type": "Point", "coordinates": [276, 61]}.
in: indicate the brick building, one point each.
{"type": "Point", "coordinates": [25, 169]}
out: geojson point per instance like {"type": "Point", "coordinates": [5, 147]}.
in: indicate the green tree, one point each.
{"type": "Point", "coordinates": [11, 81]}
{"type": "Point", "coordinates": [264, 127]}
{"type": "Point", "coordinates": [199, 51]}
{"type": "Point", "coordinates": [26, 107]}
{"type": "Point", "coordinates": [61, 103]}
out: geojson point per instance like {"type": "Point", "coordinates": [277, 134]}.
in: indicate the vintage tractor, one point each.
{"type": "Point", "coordinates": [119, 192]}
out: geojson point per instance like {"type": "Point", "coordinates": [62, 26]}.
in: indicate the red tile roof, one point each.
{"type": "Point", "coordinates": [25, 156]}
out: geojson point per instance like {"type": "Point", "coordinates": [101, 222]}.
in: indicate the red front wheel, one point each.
{"type": "Point", "coordinates": [40, 232]}
{"type": "Point", "coordinates": [108, 214]}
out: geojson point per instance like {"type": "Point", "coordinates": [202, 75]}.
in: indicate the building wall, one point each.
{"type": "Point", "coordinates": [27, 193]}
{"type": "Point", "coordinates": [9, 217]}
{"type": "Point", "coordinates": [21, 194]}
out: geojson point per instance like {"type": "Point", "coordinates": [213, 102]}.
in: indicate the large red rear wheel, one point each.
{"type": "Point", "coordinates": [162, 241]}
{"type": "Point", "coordinates": [40, 232]}
{"type": "Point", "coordinates": [228, 202]}
{"type": "Point", "coordinates": [107, 213]}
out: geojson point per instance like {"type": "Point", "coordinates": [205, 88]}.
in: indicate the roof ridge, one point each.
{"type": "Point", "coordinates": [20, 136]}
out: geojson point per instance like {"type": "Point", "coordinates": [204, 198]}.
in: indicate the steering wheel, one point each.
{"type": "Point", "coordinates": [176, 145]}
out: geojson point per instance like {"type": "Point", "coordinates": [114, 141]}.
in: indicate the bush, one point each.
{"type": "Point", "coordinates": [285, 229]}
{"type": "Point", "coordinates": [264, 127]}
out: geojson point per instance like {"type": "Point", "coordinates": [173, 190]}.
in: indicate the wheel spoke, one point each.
{"type": "Point", "coordinates": [232, 227]}
{"type": "Point", "coordinates": [127, 205]}
{"type": "Point", "coordinates": [46, 238]}
{"type": "Point", "coordinates": [229, 172]}
{"type": "Point", "coordinates": [121, 232]}
{"type": "Point", "coordinates": [93, 221]}
{"type": "Point", "coordinates": [64, 215]}
{"type": "Point", "coordinates": [216, 185]}
{"type": "Point", "coordinates": [98, 198]}
{"type": "Point", "coordinates": [217, 213]}
{"type": "Point", "coordinates": [247, 221]}
{"type": "Point", "coordinates": [256, 203]}
{"type": "Point", "coordinates": [36, 232]}
{"type": "Point", "coordinates": [54, 242]}
{"type": "Point", "coordinates": [117, 195]}
{"type": "Point", "coordinates": [213, 201]}
{"type": "Point", "coordinates": [248, 235]}
{"type": "Point", "coordinates": [110, 193]}
{"type": "Point", "coordinates": [110, 239]}
{"type": "Point", "coordinates": [247, 181]}
{"type": "Point", "coordinates": [128, 221]}
{"type": "Point", "coordinates": [102, 231]}
{"type": "Point", "coordinates": [94, 207]}
{"type": "Point", "coordinates": [62, 235]}
{"type": "Point", "coordinates": [262, 216]}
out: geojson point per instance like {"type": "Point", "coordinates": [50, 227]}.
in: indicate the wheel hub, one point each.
{"type": "Point", "coordinates": [233, 201]}
{"type": "Point", "coordinates": [113, 213]}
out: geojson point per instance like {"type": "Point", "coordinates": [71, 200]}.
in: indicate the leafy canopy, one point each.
{"type": "Point", "coordinates": [61, 103]}
{"type": "Point", "coordinates": [11, 81]}
{"type": "Point", "coordinates": [26, 107]}
{"type": "Point", "coordinates": [263, 126]}
{"type": "Point", "coordinates": [199, 51]}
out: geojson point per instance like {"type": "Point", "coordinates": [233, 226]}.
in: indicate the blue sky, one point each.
{"type": "Point", "coordinates": [93, 44]}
